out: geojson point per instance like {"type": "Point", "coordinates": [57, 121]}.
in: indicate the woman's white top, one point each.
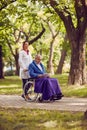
{"type": "Point", "coordinates": [24, 61]}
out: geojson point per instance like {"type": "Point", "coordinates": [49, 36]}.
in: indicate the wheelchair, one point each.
{"type": "Point", "coordinates": [29, 90]}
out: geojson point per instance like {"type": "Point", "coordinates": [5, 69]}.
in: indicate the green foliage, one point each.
{"type": "Point", "coordinates": [9, 73]}
{"type": "Point", "coordinates": [28, 16]}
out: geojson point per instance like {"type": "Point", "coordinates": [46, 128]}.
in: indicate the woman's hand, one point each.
{"type": "Point", "coordinates": [25, 70]}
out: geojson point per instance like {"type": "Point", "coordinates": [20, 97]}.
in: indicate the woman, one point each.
{"type": "Point", "coordinates": [24, 60]}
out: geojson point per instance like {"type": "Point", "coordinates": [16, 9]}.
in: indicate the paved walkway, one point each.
{"type": "Point", "coordinates": [65, 104]}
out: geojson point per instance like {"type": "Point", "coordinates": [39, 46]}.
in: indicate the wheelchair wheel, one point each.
{"type": "Point", "coordinates": [29, 89]}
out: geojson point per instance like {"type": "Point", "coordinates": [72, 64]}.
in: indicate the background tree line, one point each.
{"type": "Point", "coordinates": [57, 29]}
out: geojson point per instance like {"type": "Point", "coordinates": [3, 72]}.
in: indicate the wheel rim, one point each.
{"type": "Point", "coordinates": [30, 86]}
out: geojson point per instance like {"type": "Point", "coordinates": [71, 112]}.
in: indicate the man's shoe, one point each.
{"type": "Point", "coordinates": [59, 96]}
{"type": "Point", "coordinates": [52, 99]}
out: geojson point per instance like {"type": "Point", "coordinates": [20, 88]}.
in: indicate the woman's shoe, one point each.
{"type": "Point", "coordinates": [22, 96]}
{"type": "Point", "coordinates": [27, 98]}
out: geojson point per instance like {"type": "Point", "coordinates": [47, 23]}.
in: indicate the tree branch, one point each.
{"type": "Point", "coordinates": [38, 36]}
{"type": "Point", "coordinates": [19, 35]}
{"type": "Point", "coordinates": [81, 13]}
{"type": "Point", "coordinates": [4, 4]}
{"type": "Point", "coordinates": [10, 47]}
{"type": "Point", "coordinates": [65, 18]}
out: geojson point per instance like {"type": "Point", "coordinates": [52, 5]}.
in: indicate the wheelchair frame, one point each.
{"type": "Point", "coordinates": [29, 86]}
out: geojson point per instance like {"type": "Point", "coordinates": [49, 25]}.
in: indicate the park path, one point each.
{"type": "Point", "coordinates": [65, 104]}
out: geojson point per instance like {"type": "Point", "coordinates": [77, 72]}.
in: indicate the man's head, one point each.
{"type": "Point", "coordinates": [38, 58]}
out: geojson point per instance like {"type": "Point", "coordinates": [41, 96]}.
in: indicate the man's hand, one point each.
{"type": "Point", "coordinates": [40, 75]}
{"type": "Point", "coordinates": [46, 75]}
{"type": "Point", "coordinates": [43, 75]}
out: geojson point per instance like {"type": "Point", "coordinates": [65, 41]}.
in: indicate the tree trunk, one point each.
{"type": "Point", "coordinates": [17, 66]}
{"type": "Point", "coordinates": [76, 37]}
{"type": "Point", "coordinates": [1, 64]}
{"type": "Point", "coordinates": [61, 62]}
{"type": "Point", "coordinates": [50, 64]}
{"type": "Point", "coordinates": [16, 62]}
{"type": "Point", "coordinates": [77, 73]}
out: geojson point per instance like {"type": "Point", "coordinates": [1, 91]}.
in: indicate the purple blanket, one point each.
{"type": "Point", "coordinates": [47, 86]}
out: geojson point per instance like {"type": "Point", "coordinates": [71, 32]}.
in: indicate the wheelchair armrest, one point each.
{"type": "Point", "coordinates": [31, 79]}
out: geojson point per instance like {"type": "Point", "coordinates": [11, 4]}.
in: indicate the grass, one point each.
{"type": "Point", "coordinates": [33, 119]}
{"type": "Point", "coordinates": [13, 85]}
{"type": "Point", "coordinates": [28, 119]}
{"type": "Point", "coordinates": [71, 90]}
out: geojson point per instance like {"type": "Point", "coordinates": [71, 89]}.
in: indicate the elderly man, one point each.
{"type": "Point", "coordinates": [49, 87]}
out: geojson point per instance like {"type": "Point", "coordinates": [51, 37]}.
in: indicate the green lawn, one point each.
{"type": "Point", "coordinates": [28, 119]}
{"type": "Point", "coordinates": [12, 85]}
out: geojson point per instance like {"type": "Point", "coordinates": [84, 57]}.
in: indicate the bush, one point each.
{"type": "Point", "coordinates": [9, 73]}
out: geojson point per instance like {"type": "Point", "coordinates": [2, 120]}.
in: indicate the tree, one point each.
{"type": "Point", "coordinates": [50, 60]}
{"type": "Point", "coordinates": [17, 37]}
{"type": "Point", "coordinates": [1, 64]}
{"type": "Point", "coordinates": [64, 50]}
{"type": "Point", "coordinates": [3, 5]}
{"type": "Point", "coordinates": [54, 34]}
{"type": "Point", "coordinates": [70, 11]}
{"type": "Point", "coordinates": [13, 29]}
{"type": "Point", "coordinates": [52, 30]}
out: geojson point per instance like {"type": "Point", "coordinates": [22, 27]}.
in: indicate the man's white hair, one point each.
{"type": "Point", "coordinates": [38, 56]}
